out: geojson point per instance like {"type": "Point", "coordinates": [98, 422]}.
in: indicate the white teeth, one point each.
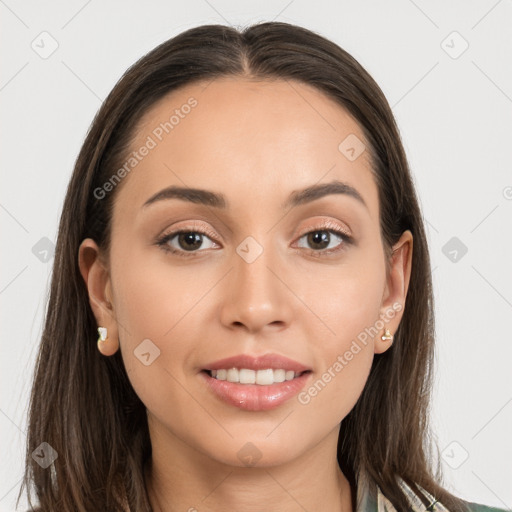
{"type": "Point", "coordinates": [247, 376]}
{"type": "Point", "coordinates": [265, 377]}
{"type": "Point", "coordinates": [279, 375]}
{"type": "Point", "coordinates": [233, 375]}
{"type": "Point", "coordinates": [260, 377]}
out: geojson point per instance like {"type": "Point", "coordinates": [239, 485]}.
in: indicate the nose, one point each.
{"type": "Point", "coordinates": [256, 297]}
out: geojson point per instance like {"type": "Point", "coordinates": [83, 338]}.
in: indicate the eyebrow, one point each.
{"type": "Point", "coordinates": [218, 200]}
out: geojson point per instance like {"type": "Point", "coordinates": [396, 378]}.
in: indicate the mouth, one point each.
{"type": "Point", "coordinates": [264, 377]}
{"type": "Point", "coordinates": [255, 382]}
{"type": "Point", "coordinates": [254, 390]}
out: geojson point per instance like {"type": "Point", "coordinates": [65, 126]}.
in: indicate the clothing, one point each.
{"type": "Point", "coordinates": [371, 499]}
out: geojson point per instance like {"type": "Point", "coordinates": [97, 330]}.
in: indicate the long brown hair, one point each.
{"type": "Point", "coordinates": [82, 403]}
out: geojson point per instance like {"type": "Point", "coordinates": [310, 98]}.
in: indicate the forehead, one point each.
{"type": "Point", "coordinates": [246, 138]}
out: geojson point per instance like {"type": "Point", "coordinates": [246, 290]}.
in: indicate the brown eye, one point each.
{"type": "Point", "coordinates": [184, 241]}
{"type": "Point", "coordinates": [189, 240]}
{"type": "Point", "coordinates": [323, 240]}
{"type": "Point", "coordinates": [319, 239]}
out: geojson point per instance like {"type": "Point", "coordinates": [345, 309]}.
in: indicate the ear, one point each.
{"type": "Point", "coordinates": [395, 291]}
{"type": "Point", "coordinates": [97, 281]}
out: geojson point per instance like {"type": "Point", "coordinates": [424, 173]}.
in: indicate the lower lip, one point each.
{"type": "Point", "coordinates": [253, 397]}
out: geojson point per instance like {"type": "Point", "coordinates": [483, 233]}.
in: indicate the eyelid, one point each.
{"type": "Point", "coordinates": [327, 224]}
{"type": "Point", "coordinates": [186, 226]}
{"type": "Point", "coordinates": [322, 224]}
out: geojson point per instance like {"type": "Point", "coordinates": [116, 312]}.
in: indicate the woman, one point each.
{"type": "Point", "coordinates": [238, 232]}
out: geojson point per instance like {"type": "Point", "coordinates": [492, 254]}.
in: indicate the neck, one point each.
{"type": "Point", "coordinates": [179, 478]}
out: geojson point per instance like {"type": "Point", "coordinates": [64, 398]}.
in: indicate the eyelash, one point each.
{"type": "Point", "coordinates": [328, 227]}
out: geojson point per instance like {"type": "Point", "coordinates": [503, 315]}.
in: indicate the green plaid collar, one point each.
{"type": "Point", "coordinates": [371, 499]}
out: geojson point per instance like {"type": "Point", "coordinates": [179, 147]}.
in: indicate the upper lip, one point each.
{"type": "Point", "coordinates": [273, 361]}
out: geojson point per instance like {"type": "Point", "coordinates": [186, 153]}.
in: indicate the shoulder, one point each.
{"type": "Point", "coordinates": [439, 507]}
{"type": "Point", "coordinates": [478, 507]}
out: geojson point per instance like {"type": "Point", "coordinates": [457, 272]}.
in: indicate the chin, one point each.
{"type": "Point", "coordinates": [256, 452]}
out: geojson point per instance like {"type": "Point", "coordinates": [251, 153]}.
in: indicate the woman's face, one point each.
{"type": "Point", "coordinates": [264, 269]}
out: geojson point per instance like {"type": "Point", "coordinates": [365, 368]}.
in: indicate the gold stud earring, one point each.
{"type": "Point", "coordinates": [387, 335]}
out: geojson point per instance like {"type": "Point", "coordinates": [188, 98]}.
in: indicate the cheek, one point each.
{"type": "Point", "coordinates": [333, 393]}
{"type": "Point", "coordinates": [346, 300]}
{"type": "Point", "coordinates": [347, 306]}
{"type": "Point", "coordinates": [344, 358]}
{"type": "Point", "coordinates": [152, 298]}
{"type": "Point", "coordinates": [344, 363]}
{"type": "Point", "coordinates": [154, 312]}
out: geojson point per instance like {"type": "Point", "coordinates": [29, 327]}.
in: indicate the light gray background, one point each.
{"type": "Point", "coordinates": [455, 116]}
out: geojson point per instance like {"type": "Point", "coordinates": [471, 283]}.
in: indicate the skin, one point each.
{"type": "Point", "coordinates": [256, 142]}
